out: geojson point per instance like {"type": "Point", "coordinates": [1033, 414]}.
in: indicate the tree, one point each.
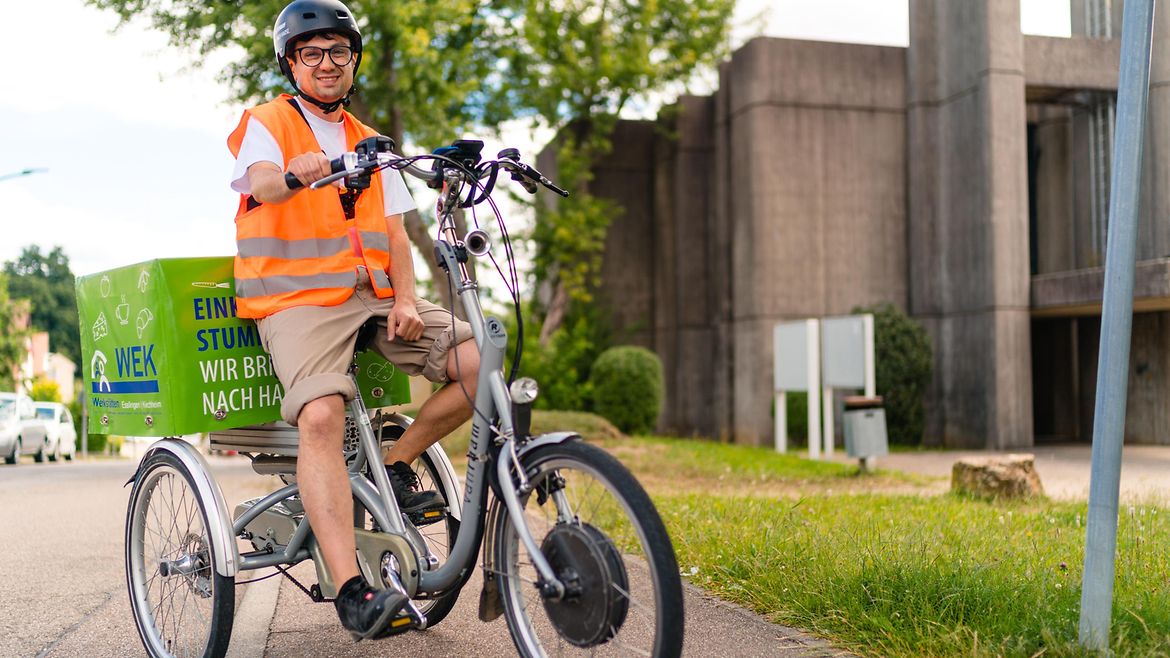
{"type": "Point", "coordinates": [48, 283]}
{"type": "Point", "coordinates": [13, 331]}
{"type": "Point", "coordinates": [425, 72]}
{"type": "Point", "coordinates": [576, 65]}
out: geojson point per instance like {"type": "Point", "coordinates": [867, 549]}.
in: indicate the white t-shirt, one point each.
{"type": "Point", "coordinates": [260, 146]}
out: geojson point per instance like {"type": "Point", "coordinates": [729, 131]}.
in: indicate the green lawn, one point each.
{"type": "Point", "coordinates": [885, 564]}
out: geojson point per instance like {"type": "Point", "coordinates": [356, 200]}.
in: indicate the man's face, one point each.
{"type": "Point", "coordinates": [326, 81]}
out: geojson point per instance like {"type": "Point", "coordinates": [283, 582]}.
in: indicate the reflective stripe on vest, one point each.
{"type": "Point", "coordinates": [281, 285]}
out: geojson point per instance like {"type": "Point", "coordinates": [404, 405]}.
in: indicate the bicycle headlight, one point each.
{"type": "Point", "coordinates": [524, 390]}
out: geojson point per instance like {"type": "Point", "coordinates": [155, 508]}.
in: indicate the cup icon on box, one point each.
{"type": "Point", "coordinates": [123, 311]}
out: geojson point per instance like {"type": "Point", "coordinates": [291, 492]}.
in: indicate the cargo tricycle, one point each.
{"type": "Point", "coordinates": [574, 555]}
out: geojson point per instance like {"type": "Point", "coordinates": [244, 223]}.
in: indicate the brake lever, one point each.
{"type": "Point", "coordinates": [316, 185]}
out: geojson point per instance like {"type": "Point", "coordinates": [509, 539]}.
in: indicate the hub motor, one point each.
{"type": "Point", "coordinates": [594, 606]}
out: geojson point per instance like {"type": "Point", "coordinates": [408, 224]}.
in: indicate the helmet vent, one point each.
{"type": "Point", "coordinates": [309, 15]}
{"type": "Point", "coordinates": [342, 15]}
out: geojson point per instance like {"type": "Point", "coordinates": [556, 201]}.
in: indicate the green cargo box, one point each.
{"type": "Point", "coordinates": [165, 354]}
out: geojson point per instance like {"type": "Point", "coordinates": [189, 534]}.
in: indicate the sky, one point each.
{"type": "Point", "coordinates": [133, 136]}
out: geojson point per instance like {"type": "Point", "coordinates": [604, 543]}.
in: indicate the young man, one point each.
{"type": "Point", "coordinates": [313, 266]}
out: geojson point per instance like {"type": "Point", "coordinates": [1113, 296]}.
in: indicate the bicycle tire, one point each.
{"type": "Point", "coordinates": [623, 543]}
{"type": "Point", "coordinates": [164, 494]}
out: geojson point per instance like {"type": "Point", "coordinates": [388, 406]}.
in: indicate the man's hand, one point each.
{"type": "Point", "coordinates": [310, 167]}
{"type": "Point", "coordinates": [404, 322]}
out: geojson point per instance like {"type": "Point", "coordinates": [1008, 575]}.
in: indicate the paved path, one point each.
{"type": "Point", "coordinates": [1064, 469]}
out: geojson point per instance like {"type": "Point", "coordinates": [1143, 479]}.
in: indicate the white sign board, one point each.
{"type": "Point", "coordinates": [846, 354]}
{"type": "Point", "coordinates": [797, 367]}
{"type": "Point", "coordinates": [791, 350]}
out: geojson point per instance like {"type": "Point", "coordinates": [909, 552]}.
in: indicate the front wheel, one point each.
{"type": "Point", "coordinates": [602, 536]}
{"type": "Point", "coordinates": [15, 456]}
{"type": "Point", "coordinates": [181, 605]}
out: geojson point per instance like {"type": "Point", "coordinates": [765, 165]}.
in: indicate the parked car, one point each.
{"type": "Point", "coordinates": [21, 433]}
{"type": "Point", "coordinates": [60, 435]}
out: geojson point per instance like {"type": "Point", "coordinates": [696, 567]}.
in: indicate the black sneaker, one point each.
{"type": "Point", "coordinates": [366, 612]}
{"type": "Point", "coordinates": [411, 498]}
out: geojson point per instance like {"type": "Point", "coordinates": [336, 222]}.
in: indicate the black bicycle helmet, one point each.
{"type": "Point", "coordinates": [302, 19]}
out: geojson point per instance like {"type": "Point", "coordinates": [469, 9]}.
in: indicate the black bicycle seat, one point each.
{"type": "Point", "coordinates": [365, 335]}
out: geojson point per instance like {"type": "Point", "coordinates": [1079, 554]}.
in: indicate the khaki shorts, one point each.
{"type": "Point", "coordinates": [312, 346]}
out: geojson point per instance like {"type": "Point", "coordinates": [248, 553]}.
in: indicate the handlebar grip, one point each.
{"type": "Point", "coordinates": [292, 181]}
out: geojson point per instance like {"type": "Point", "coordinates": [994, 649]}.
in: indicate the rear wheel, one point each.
{"type": "Point", "coordinates": [605, 541]}
{"type": "Point", "coordinates": [181, 605]}
{"type": "Point", "coordinates": [56, 454]}
{"type": "Point", "coordinates": [11, 459]}
{"type": "Point", "coordinates": [39, 457]}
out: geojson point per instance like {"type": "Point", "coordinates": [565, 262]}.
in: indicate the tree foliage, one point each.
{"type": "Point", "coordinates": [48, 283]}
{"type": "Point", "coordinates": [12, 335]}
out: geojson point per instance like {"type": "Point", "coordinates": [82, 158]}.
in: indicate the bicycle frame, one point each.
{"type": "Point", "coordinates": [492, 402]}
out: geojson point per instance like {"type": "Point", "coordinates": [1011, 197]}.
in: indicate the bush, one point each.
{"type": "Point", "coordinates": [96, 444]}
{"type": "Point", "coordinates": [904, 365]}
{"type": "Point", "coordinates": [627, 387]}
{"type": "Point", "coordinates": [45, 390]}
{"type": "Point", "coordinates": [562, 367]}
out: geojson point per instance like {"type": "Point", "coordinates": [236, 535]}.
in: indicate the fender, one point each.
{"type": "Point", "coordinates": [546, 439]}
{"type": "Point", "coordinates": [219, 526]}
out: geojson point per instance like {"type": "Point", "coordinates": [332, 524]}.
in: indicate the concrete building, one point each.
{"type": "Point", "coordinates": [964, 179]}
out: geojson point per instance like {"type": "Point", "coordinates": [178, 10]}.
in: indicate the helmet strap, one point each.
{"type": "Point", "coordinates": [328, 108]}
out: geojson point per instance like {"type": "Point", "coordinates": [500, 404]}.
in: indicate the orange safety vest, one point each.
{"type": "Point", "coordinates": [304, 252]}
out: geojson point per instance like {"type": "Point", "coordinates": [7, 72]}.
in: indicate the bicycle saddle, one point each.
{"type": "Point", "coordinates": [365, 335]}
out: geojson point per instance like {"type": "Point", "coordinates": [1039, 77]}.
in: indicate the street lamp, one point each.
{"type": "Point", "coordinates": [24, 172]}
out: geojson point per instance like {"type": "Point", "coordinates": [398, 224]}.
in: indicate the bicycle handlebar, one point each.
{"type": "Point", "coordinates": [372, 159]}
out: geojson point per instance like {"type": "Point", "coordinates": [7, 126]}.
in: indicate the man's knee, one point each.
{"type": "Point", "coordinates": [463, 363]}
{"type": "Point", "coordinates": [321, 421]}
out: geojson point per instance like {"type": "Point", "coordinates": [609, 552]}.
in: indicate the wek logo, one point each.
{"type": "Point", "coordinates": [97, 372]}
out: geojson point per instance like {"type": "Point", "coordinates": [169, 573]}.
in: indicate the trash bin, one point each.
{"type": "Point", "coordinates": [865, 429]}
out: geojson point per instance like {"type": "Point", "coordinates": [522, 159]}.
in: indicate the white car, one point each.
{"type": "Point", "coordinates": [60, 435]}
{"type": "Point", "coordinates": [21, 433]}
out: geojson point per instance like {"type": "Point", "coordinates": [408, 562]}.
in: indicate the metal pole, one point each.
{"type": "Point", "coordinates": [1116, 324]}
{"type": "Point", "coordinates": [24, 172]}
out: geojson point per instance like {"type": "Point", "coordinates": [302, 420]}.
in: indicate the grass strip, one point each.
{"type": "Point", "coordinates": [923, 576]}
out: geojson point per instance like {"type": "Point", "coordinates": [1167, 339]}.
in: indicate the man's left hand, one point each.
{"type": "Point", "coordinates": [404, 322]}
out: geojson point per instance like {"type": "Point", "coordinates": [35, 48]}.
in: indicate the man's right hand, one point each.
{"type": "Point", "coordinates": [309, 167]}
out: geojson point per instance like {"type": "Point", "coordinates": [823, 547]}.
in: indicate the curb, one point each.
{"type": "Point", "coordinates": [254, 618]}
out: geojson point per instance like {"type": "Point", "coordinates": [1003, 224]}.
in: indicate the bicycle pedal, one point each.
{"type": "Point", "coordinates": [427, 516]}
{"type": "Point", "coordinates": [401, 623]}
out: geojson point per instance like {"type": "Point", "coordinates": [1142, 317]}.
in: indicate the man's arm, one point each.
{"type": "Point", "coordinates": [267, 180]}
{"type": "Point", "coordinates": [403, 320]}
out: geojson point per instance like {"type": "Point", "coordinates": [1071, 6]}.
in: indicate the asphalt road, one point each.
{"type": "Point", "coordinates": [61, 567]}
{"type": "Point", "coordinates": [61, 559]}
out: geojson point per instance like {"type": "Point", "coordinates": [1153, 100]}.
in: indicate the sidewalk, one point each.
{"type": "Point", "coordinates": [1063, 468]}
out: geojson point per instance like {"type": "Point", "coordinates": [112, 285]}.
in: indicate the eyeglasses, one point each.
{"type": "Point", "coordinates": [312, 56]}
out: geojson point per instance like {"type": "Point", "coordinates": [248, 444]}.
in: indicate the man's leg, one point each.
{"type": "Point", "coordinates": [446, 410]}
{"type": "Point", "coordinates": [325, 485]}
